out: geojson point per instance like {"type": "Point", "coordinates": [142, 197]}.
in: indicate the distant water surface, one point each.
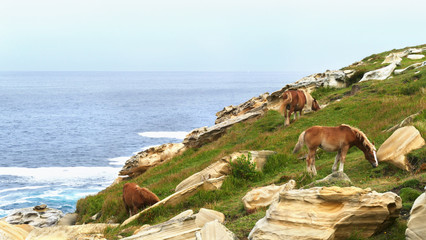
{"type": "Point", "coordinates": [64, 135]}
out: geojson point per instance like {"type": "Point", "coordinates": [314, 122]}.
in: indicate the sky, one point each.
{"type": "Point", "coordinates": [203, 35]}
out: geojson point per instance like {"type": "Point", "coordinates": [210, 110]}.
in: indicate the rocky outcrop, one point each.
{"type": "Point", "coordinates": [184, 227]}
{"type": "Point", "coordinates": [400, 143]}
{"type": "Point", "coordinates": [327, 213]}
{"type": "Point", "coordinates": [222, 168]}
{"type": "Point", "coordinates": [393, 58]}
{"type": "Point", "coordinates": [335, 178]}
{"type": "Point", "coordinates": [412, 66]}
{"type": "Point", "coordinates": [151, 157]}
{"type": "Point", "coordinates": [415, 56]}
{"type": "Point", "coordinates": [68, 220]}
{"type": "Point", "coordinates": [379, 74]}
{"type": "Point", "coordinates": [14, 232]}
{"type": "Point", "coordinates": [416, 227]}
{"type": "Point", "coordinates": [86, 231]}
{"type": "Point", "coordinates": [255, 104]}
{"type": "Point", "coordinates": [263, 196]}
{"type": "Point", "coordinates": [38, 218]}
{"type": "Point", "coordinates": [201, 136]}
{"type": "Point", "coordinates": [335, 78]}
{"type": "Point", "coordinates": [180, 196]}
{"type": "Point", "coordinates": [215, 230]}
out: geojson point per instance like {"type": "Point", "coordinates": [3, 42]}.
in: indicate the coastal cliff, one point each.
{"type": "Point", "coordinates": [381, 101]}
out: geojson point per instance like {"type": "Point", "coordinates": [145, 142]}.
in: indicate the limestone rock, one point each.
{"type": "Point", "coordinates": [68, 220]}
{"type": "Point", "coordinates": [183, 214]}
{"type": "Point", "coordinates": [335, 78]}
{"type": "Point", "coordinates": [14, 232]}
{"type": "Point", "coordinates": [201, 136]}
{"type": "Point", "coordinates": [264, 196]}
{"type": "Point", "coordinates": [393, 58]}
{"type": "Point", "coordinates": [416, 227]}
{"type": "Point", "coordinates": [214, 230]}
{"type": "Point", "coordinates": [86, 231]}
{"type": "Point", "coordinates": [327, 213]}
{"type": "Point", "coordinates": [151, 157]}
{"type": "Point", "coordinates": [181, 228]}
{"type": "Point", "coordinates": [253, 105]}
{"type": "Point", "coordinates": [379, 74]}
{"type": "Point", "coordinates": [334, 178]}
{"type": "Point", "coordinates": [415, 56]}
{"type": "Point", "coordinates": [222, 168]}
{"type": "Point", "coordinates": [180, 196]}
{"type": "Point", "coordinates": [42, 218]}
{"type": "Point", "coordinates": [401, 142]}
{"type": "Point", "coordinates": [412, 66]}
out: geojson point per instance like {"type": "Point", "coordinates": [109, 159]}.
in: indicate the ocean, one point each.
{"type": "Point", "coordinates": [65, 135]}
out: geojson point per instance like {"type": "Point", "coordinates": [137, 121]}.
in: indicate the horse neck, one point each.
{"type": "Point", "coordinates": [359, 143]}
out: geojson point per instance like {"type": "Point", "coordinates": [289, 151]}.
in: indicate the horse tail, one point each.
{"type": "Point", "coordinates": [300, 142]}
{"type": "Point", "coordinates": [286, 100]}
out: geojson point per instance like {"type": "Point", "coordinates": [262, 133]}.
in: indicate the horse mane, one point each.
{"type": "Point", "coordinates": [361, 136]}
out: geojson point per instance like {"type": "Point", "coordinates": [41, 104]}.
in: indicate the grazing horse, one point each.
{"type": "Point", "coordinates": [135, 197]}
{"type": "Point", "coordinates": [295, 101]}
{"type": "Point", "coordinates": [333, 139]}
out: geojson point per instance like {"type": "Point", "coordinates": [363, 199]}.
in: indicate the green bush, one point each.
{"type": "Point", "coordinates": [243, 168]}
{"type": "Point", "coordinates": [408, 195]}
{"type": "Point", "coordinates": [410, 183]}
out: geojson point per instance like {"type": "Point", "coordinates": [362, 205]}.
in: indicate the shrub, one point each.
{"type": "Point", "coordinates": [408, 196]}
{"type": "Point", "coordinates": [244, 168]}
{"type": "Point", "coordinates": [411, 183]}
{"type": "Point", "coordinates": [355, 77]}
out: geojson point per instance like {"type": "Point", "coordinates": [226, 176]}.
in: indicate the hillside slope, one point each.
{"type": "Point", "coordinates": [377, 106]}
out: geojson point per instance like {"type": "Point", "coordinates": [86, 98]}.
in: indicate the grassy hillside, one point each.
{"type": "Point", "coordinates": [378, 106]}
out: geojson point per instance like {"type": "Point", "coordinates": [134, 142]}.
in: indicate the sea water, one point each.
{"type": "Point", "coordinates": [65, 135]}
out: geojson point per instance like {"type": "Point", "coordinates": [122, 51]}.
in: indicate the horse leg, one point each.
{"type": "Point", "coordinates": [334, 169]}
{"type": "Point", "coordinates": [343, 153]}
{"type": "Point", "coordinates": [310, 162]}
{"type": "Point", "coordinates": [287, 118]}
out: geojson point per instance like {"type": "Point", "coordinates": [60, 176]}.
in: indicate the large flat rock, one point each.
{"type": "Point", "coordinates": [327, 213]}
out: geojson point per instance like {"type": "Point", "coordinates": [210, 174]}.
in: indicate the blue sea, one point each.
{"type": "Point", "coordinates": [65, 135]}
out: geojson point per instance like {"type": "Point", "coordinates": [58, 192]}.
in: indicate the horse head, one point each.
{"type": "Point", "coordinates": [315, 105]}
{"type": "Point", "coordinates": [371, 156]}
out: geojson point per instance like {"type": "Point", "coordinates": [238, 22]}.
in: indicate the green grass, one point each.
{"type": "Point", "coordinates": [378, 106]}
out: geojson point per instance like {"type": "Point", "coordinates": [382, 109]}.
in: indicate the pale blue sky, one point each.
{"type": "Point", "coordinates": [203, 35]}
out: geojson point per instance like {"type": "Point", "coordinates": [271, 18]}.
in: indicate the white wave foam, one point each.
{"type": "Point", "coordinates": [21, 188]}
{"type": "Point", "coordinates": [174, 135]}
{"type": "Point", "coordinates": [14, 202]}
{"type": "Point", "coordinates": [65, 175]}
{"type": "Point", "coordinates": [118, 161]}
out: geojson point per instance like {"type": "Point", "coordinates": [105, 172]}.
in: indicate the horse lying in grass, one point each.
{"type": "Point", "coordinates": [135, 198]}
{"type": "Point", "coordinates": [334, 139]}
{"type": "Point", "coordinates": [295, 101]}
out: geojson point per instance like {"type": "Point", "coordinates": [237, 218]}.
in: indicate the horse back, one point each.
{"type": "Point", "coordinates": [135, 196]}
{"type": "Point", "coordinates": [298, 99]}
{"type": "Point", "coordinates": [329, 138]}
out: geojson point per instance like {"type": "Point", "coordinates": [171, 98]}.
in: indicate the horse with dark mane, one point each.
{"type": "Point", "coordinates": [295, 101]}
{"type": "Point", "coordinates": [333, 139]}
{"type": "Point", "coordinates": [135, 197]}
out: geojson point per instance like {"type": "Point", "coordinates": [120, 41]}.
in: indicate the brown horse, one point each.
{"type": "Point", "coordinates": [295, 101]}
{"type": "Point", "coordinates": [135, 197]}
{"type": "Point", "coordinates": [334, 139]}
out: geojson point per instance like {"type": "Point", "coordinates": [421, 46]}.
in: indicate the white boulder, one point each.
{"type": "Point", "coordinates": [327, 213]}
{"type": "Point", "coordinates": [396, 147]}
{"type": "Point", "coordinates": [379, 74]}
{"type": "Point", "coordinates": [416, 227]}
